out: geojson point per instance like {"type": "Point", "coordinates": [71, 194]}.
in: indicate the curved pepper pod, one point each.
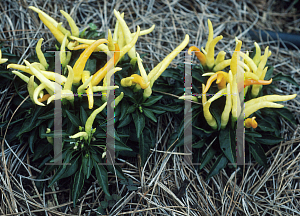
{"type": "Point", "coordinates": [50, 19]}
{"type": "Point", "coordinates": [51, 85]}
{"type": "Point", "coordinates": [248, 82]}
{"type": "Point", "coordinates": [210, 35]}
{"type": "Point", "coordinates": [67, 94]}
{"type": "Point", "coordinates": [220, 58]}
{"type": "Point", "coordinates": [235, 57]}
{"type": "Point", "coordinates": [144, 32]}
{"type": "Point", "coordinates": [126, 82]}
{"type": "Point", "coordinates": [221, 77]}
{"type": "Point", "coordinates": [256, 58]}
{"type": "Point", "coordinates": [270, 98]}
{"type": "Point", "coordinates": [207, 115]}
{"type": "Point", "coordinates": [100, 74]}
{"type": "Point", "coordinates": [253, 108]}
{"type": "Point", "coordinates": [101, 47]}
{"type": "Point", "coordinates": [250, 122]}
{"type": "Point", "coordinates": [148, 90]}
{"type": "Point", "coordinates": [54, 30]}
{"type": "Point", "coordinates": [80, 63]}
{"type": "Point", "coordinates": [198, 54]}
{"type": "Point", "coordinates": [48, 74]}
{"type": "Point", "coordinates": [40, 54]}
{"type": "Point", "coordinates": [90, 120]}
{"type": "Point", "coordinates": [1, 59]}
{"type": "Point", "coordinates": [227, 108]}
{"type": "Point", "coordinates": [72, 24]}
{"type": "Point", "coordinates": [210, 60]}
{"type": "Point", "coordinates": [36, 93]}
{"type": "Point", "coordinates": [79, 135]}
{"type": "Point", "coordinates": [161, 67]}
{"type": "Point", "coordinates": [89, 88]}
{"type": "Point", "coordinates": [139, 80]}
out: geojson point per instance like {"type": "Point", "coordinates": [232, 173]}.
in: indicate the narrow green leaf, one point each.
{"type": "Point", "coordinates": [288, 78]}
{"type": "Point", "coordinates": [286, 114]}
{"type": "Point", "coordinates": [227, 144]}
{"type": "Point", "coordinates": [124, 105]}
{"type": "Point", "coordinates": [74, 119]}
{"type": "Point", "coordinates": [145, 143]}
{"type": "Point", "coordinates": [139, 122]}
{"type": "Point", "coordinates": [125, 121]}
{"type": "Point", "coordinates": [207, 157]}
{"type": "Point", "coordinates": [268, 139]}
{"type": "Point", "coordinates": [150, 115]}
{"type": "Point", "coordinates": [219, 164]}
{"type": "Point", "coordinates": [83, 116]}
{"type": "Point", "coordinates": [29, 123]}
{"type": "Point", "coordinates": [258, 154]}
{"type": "Point", "coordinates": [77, 185]}
{"type": "Point", "coordinates": [102, 177]}
{"type": "Point", "coordinates": [152, 100]}
{"type": "Point", "coordinates": [116, 170]}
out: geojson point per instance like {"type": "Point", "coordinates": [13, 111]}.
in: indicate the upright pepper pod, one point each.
{"type": "Point", "coordinates": [90, 120]}
{"type": "Point", "coordinates": [72, 24]}
{"type": "Point", "coordinates": [40, 54]}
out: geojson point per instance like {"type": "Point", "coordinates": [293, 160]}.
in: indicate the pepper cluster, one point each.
{"type": "Point", "coordinates": [249, 72]}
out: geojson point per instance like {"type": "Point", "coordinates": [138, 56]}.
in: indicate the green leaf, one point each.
{"type": "Point", "coordinates": [207, 157]}
{"type": "Point", "coordinates": [281, 76]}
{"type": "Point", "coordinates": [227, 144]}
{"type": "Point", "coordinates": [92, 26]}
{"type": "Point", "coordinates": [269, 73]}
{"type": "Point", "coordinates": [125, 121]}
{"type": "Point", "coordinates": [286, 114]}
{"type": "Point", "coordinates": [83, 116]}
{"type": "Point", "coordinates": [77, 185]}
{"type": "Point", "coordinates": [150, 115]}
{"type": "Point", "coordinates": [269, 139]}
{"type": "Point", "coordinates": [131, 109]}
{"type": "Point", "coordinates": [74, 119]}
{"type": "Point", "coordinates": [42, 150]}
{"type": "Point", "coordinates": [154, 110]}
{"type": "Point", "coordinates": [139, 122]}
{"type": "Point", "coordinates": [30, 123]}
{"type": "Point", "coordinates": [70, 169]}
{"type": "Point", "coordinates": [152, 100]}
{"type": "Point", "coordinates": [145, 143]}
{"type": "Point", "coordinates": [219, 164]}
{"type": "Point", "coordinates": [199, 144]}
{"type": "Point", "coordinates": [102, 177]}
{"type": "Point", "coordinates": [87, 163]}
{"type": "Point", "coordinates": [124, 105]}
{"type": "Point", "coordinates": [32, 138]}
{"type": "Point", "coordinates": [119, 146]}
{"type": "Point", "coordinates": [258, 154]}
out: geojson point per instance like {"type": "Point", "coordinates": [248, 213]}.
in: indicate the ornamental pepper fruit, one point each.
{"type": "Point", "coordinates": [90, 120]}
{"type": "Point", "coordinates": [40, 54]}
{"type": "Point", "coordinates": [199, 54]}
{"type": "Point", "coordinates": [250, 122]}
{"type": "Point", "coordinates": [81, 61]}
{"type": "Point", "coordinates": [72, 24]}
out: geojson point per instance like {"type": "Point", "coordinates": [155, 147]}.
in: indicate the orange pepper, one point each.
{"type": "Point", "coordinates": [199, 54]}
{"type": "Point", "coordinates": [248, 82]}
{"type": "Point", "coordinates": [44, 98]}
{"type": "Point", "coordinates": [100, 74]}
{"type": "Point", "coordinates": [81, 61]}
{"type": "Point", "coordinates": [250, 122]}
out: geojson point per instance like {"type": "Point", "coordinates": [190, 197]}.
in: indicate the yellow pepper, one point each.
{"type": "Point", "coordinates": [250, 122]}
{"type": "Point", "coordinates": [100, 74]}
{"type": "Point", "coordinates": [207, 115]}
{"type": "Point", "coordinates": [69, 81]}
{"type": "Point", "coordinates": [80, 63]}
{"type": "Point", "coordinates": [31, 87]}
{"type": "Point", "coordinates": [148, 90]}
{"type": "Point", "coordinates": [2, 60]}
{"type": "Point", "coordinates": [199, 54]}
{"type": "Point", "coordinates": [90, 120]}
{"type": "Point", "coordinates": [56, 33]}
{"type": "Point", "coordinates": [50, 19]}
{"type": "Point", "coordinates": [40, 54]}
{"type": "Point", "coordinates": [210, 60]}
{"type": "Point", "coordinates": [110, 44]}
{"type": "Point", "coordinates": [89, 88]}
{"type": "Point", "coordinates": [256, 58]}
{"type": "Point", "coordinates": [161, 67]}
{"type": "Point", "coordinates": [72, 24]}
{"type": "Point", "coordinates": [127, 33]}
{"type": "Point", "coordinates": [139, 80]}
{"type": "Point", "coordinates": [227, 109]}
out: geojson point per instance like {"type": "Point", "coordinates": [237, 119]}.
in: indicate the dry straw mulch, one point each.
{"type": "Point", "coordinates": [259, 191]}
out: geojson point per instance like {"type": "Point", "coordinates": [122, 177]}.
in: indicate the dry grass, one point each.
{"type": "Point", "coordinates": [259, 191]}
